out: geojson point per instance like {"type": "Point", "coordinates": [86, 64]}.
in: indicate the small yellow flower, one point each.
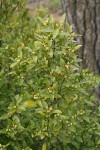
{"type": "Point", "coordinates": [6, 47]}
{"type": "Point", "coordinates": [73, 117]}
{"type": "Point", "coordinates": [33, 52]}
{"type": "Point", "coordinates": [22, 45]}
{"type": "Point", "coordinates": [45, 58]}
{"type": "Point", "coordinates": [17, 59]}
{"type": "Point", "coordinates": [57, 25]}
{"type": "Point", "coordinates": [61, 21]}
{"type": "Point", "coordinates": [47, 20]}
{"type": "Point", "coordinates": [44, 45]}
{"type": "Point", "coordinates": [47, 48]}
{"type": "Point", "coordinates": [50, 91]}
{"type": "Point", "coordinates": [45, 23]}
{"type": "Point", "coordinates": [71, 123]}
{"type": "Point", "coordinates": [66, 66]}
{"type": "Point", "coordinates": [73, 50]}
{"type": "Point", "coordinates": [50, 108]}
{"type": "Point", "coordinates": [48, 111]}
{"type": "Point", "coordinates": [15, 106]}
{"type": "Point", "coordinates": [36, 96]}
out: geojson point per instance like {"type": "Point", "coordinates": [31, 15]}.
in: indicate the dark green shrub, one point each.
{"type": "Point", "coordinates": [45, 97]}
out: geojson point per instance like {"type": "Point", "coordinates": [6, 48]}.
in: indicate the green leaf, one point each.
{"type": "Point", "coordinates": [50, 53]}
{"type": "Point", "coordinates": [98, 142]}
{"type": "Point", "coordinates": [11, 112]}
{"type": "Point", "coordinates": [13, 64]}
{"type": "Point", "coordinates": [63, 17]}
{"type": "Point", "coordinates": [62, 117]}
{"type": "Point", "coordinates": [40, 103]}
{"type": "Point", "coordinates": [75, 144]}
{"type": "Point", "coordinates": [2, 131]}
{"type": "Point", "coordinates": [68, 27]}
{"type": "Point", "coordinates": [86, 118]}
{"type": "Point", "coordinates": [45, 105]}
{"type": "Point", "coordinates": [30, 103]}
{"type": "Point", "coordinates": [55, 33]}
{"type": "Point", "coordinates": [18, 98]}
{"type": "Point", "coordinates": [21, 108]}
{"type": "Point", "coordinates": [20, 53]}
{"type": "Point", "coordinates": [47, 30]}
{"type": "Point", "coordinates": [4, 117]}
{"type": "Point", "coordinates": [77, 47]}
{"type": "Point", "coordinates": [16, 120]}
{"type": "Point", "coordinates": [40, 111]}
{"type": "Point", "coordinates": [35, 58]}
{"type": "Point", "coordinates": [44, 146]}
{"type": "Point", "coordinates": [79, 139]}
{"type": "Point", "coordinates": [57, 111]}
{"type": "Point", "coordinates": [97, 132]}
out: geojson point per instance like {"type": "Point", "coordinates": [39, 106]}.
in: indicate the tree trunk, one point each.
{"type": "Point", "coordinates": [84, 16]}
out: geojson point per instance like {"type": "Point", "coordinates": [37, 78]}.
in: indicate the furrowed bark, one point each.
{"type": "Point", "coordinates": [84, 15]}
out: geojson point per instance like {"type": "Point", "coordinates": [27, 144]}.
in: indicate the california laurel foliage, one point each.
{"type": "Point", "coordinates": [45, 97]}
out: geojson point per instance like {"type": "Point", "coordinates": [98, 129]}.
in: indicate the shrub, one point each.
{"type": "Point", "coordinates": [45, 97]}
